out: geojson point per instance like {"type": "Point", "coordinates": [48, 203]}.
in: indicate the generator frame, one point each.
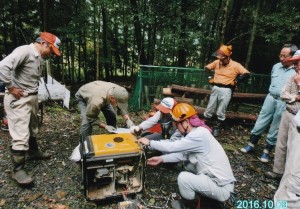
{"type": "Point", "coordinates": [117, 173]}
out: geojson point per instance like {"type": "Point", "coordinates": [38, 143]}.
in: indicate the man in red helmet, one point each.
{"type": "Point", "coordinates": [208, 171]}
{"type": "Point", "coordinates": [20, 72]}
{"type": "Point", "coordinates": [226, 74]}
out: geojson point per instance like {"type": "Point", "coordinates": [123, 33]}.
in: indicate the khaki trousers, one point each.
{"type": "Point", "coordinates": [281, 144]}
{"type": "Point", "coordinates": [22, 119]}
{"type": "Point", "coordinates": [289, 188]}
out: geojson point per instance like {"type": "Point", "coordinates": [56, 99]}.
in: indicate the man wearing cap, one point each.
{"type": "Point", "coordinates": [101, 96]}
{"type": "Point", "coordinates": [20, 72]}
{"type": "Point", "coordinates": [226, 74]}
{"type": "Point", "coordinates": [273, 107]}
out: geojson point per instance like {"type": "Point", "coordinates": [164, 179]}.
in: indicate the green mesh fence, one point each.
{"type": "Point", "coordinates": [152, 79]}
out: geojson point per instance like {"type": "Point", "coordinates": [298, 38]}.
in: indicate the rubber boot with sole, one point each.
{"type": "Point", "coordinates": [34, 153]}
{"type": "Point", "coordinates": [19, 174]}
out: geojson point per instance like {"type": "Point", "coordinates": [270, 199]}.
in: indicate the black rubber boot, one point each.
{"type": "Point", "coordinates": [208, 121]}
{"type": "Point", "coordinates": [186, 204]}
{"type": "Point", "coordinates": [254, 139]}
{"type": "Point", "coordinates": [34, 152]}
{"type": "Point", "coordinates": [217, 128]}
{"type": "Point", "coordinates": [19, 174]}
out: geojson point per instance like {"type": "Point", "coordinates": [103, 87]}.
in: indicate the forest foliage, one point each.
{"type": "Point", "coordinates": [105, 39]}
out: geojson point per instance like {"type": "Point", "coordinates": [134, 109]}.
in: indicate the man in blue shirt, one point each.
{"type": "Point", "coordinates": [271, 111]}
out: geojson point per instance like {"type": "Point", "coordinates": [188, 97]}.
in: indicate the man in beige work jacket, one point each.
{"type": "Point", "coordinates": [20, 72]}
{"type": "Point", "coordinates": [105, 97]}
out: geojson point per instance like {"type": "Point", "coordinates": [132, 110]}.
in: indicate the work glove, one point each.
{"type": "Point", "coordinates": [135, 129]}
{"type": "Point", "coordinates": [233, 83]}
{"type": "Point", "coordinates": [110, 129]}
{"type": "Point", "coordinates": [210, 79]}
{"type": "Point", "coordinates": [129, 123]}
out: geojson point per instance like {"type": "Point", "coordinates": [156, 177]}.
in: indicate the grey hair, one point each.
{"type": "Point", "coordinates": [39, 40]}
{"type": "Point", "coordinates": [292, 47]}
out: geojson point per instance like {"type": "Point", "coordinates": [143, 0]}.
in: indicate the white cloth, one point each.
{"type": "Point", "coordinates": [75, 156]}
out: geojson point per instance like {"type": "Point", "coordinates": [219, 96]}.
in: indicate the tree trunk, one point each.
{"type": "Point", "coordinates": [125, 51]}
{"type": "Point", "coordinates": [105, 44]}
{"type": "Point", "coordinates": [224, 24]}
{"type": "Point", "coordinates": [118, 62]}
{"type": "Point", "coordinates": [182, 39]}
{"type": "Point", "coordinates": [253, 33]}
{"type": "Point", "coordinates": [138, 33]}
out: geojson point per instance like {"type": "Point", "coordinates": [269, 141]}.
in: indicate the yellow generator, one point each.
{"type": "Point", "coordinates": [112, 164]}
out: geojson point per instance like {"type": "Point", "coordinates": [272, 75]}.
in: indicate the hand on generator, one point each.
{"type": "Point", "coordinates": [110, 129]}
{"type": "Point", "coordinates": [135, 129]}
{"type": "Point", "coordinates": [129, 123]}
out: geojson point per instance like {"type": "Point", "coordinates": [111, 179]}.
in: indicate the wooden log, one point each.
{"type": "Point", "coordinates": [200, 110]}
{"type": "Point", "coordinates": [231, 115]}
{"type": "Point", "coordinates": [167, 92]}
{"type": "Point", "coordinates": [177, 89]}
{"type": "Point", "coordinates": [185, 100]}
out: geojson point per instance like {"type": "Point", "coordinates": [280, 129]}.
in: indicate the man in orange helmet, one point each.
{"type": "Point", "coordinates": [208, 171]}
{"type": "Point", "coordinates": [227, 73]}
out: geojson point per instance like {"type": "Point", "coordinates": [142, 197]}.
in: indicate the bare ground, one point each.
{"type": "Point", "coordinates": [58, 180]}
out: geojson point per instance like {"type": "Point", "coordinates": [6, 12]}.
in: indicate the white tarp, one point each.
{"type": "Point", "coordinates": [53, 90]}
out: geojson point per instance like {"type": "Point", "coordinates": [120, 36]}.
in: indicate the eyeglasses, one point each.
{"type": "Point", "coordinates": [284, 56]}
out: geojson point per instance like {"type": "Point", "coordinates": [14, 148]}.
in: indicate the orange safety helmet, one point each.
{"type": "Point", "coordinates": [223, 51]}
{"type": "Point", "coordinates": [182, 111]}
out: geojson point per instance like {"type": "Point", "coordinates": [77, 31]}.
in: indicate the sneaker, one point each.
{"type": "Point", "coordinates": [265, 157]}
{"type": "Point", "coordinates": [247, 149]}
{"type": "Point", "coordinates": [216, 132]}
{"type": "Point", "coordinates": [273, 175]}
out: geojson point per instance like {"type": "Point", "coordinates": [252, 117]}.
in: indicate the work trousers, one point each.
{"type": "Point", "coordinates": [270, 114]}
{"type": "Point", "coordinates": [86, 124]}
{"type": "Point", "coordinates": [289, 188]}
{"type": "Point", "coordinates": [281, 145]}
{"type": "Point", "coordinates": [218, 102]}
{"type": "Point", "coordinates": [22, 119]}
{"type": "Point", "coordinates": [191, 184]}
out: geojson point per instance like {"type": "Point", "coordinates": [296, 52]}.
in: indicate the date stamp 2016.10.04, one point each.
{"type": "Point", "coordinates": [261, 204]}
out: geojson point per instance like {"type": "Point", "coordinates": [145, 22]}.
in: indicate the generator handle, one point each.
{"type": "Point", "coordinates": [83, 165]}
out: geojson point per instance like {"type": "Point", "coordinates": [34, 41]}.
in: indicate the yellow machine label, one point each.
{"type": "Point", "coordinates": [112, 144]}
